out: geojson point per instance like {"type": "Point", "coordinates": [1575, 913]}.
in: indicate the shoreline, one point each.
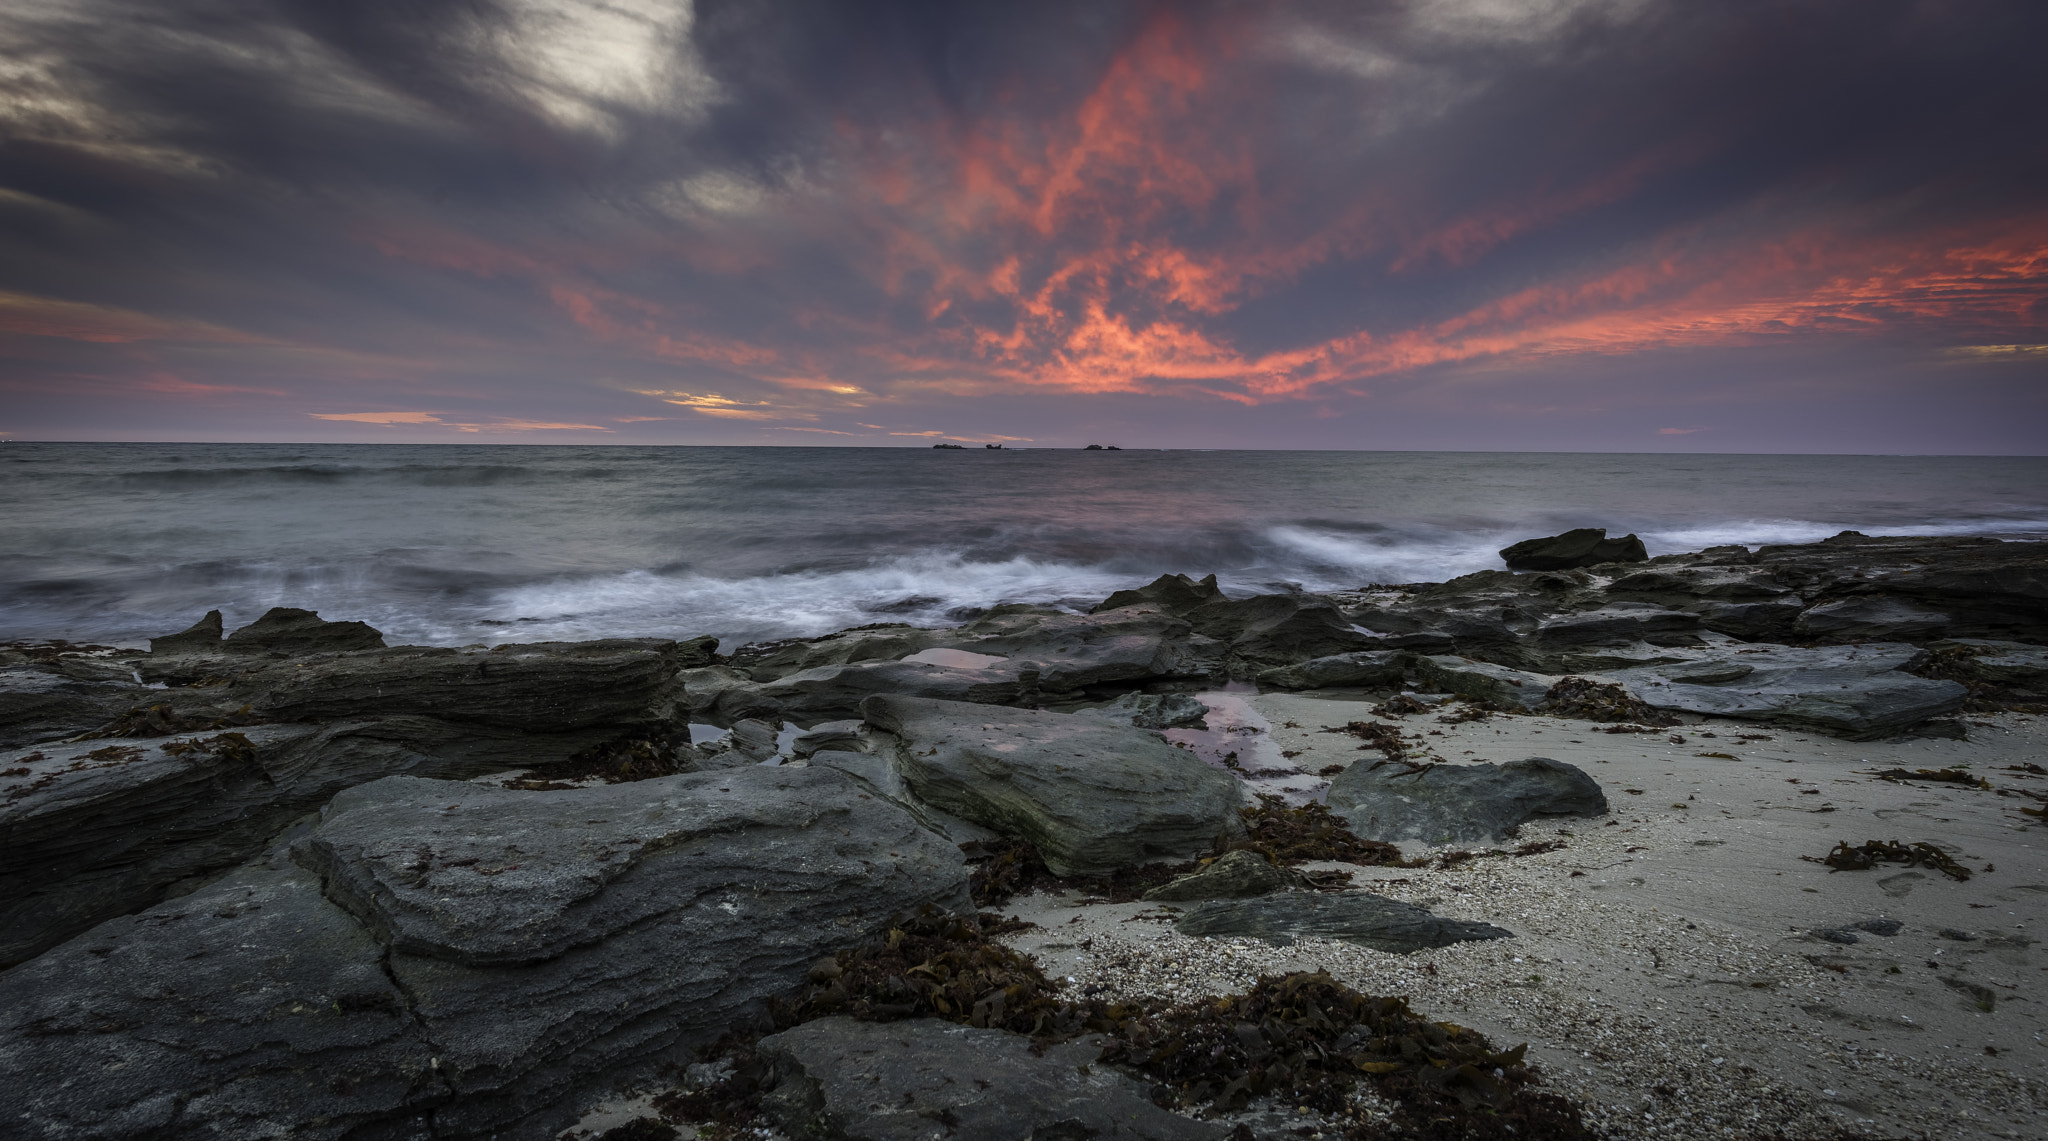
{"type": "Point", "coordinates": [1681, 964]}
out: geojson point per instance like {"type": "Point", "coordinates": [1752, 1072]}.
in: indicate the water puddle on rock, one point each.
{"type": "Point", "coordinates": [1239, 740]}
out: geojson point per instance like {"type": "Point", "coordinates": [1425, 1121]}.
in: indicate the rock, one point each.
{"type": "Point", "coordinates": [286, 631]}
{"type": "Point", "coordinates": [1070, 652]}
{"type": "Point", "coordinates": [830, 735]}
{"type": "Point", "coordinates": [540, 687]}
{"type": "Point", "coordinates": [768, 661]}
{"type": "Point", "coordinates": [835, 693]}
{"type": "Point", "coordinates": [703, 684]}
{"type": "Point", "coordinates": [754, 740]}
{"type": "Point", "coordinates": [1093, 796]}
{"type": "Point", "coordinates": [1772, 621]}
{"type": "Point", "coordinates": [482, 962]}
{"type": "Point", "coordinates": [1173, 593]}
{"type": "Point", "coordinates": [1154, 711]}
{"type": "Point", "coordinates": [1440, 804]}
{"type": "Point", "coordinates": [202, 637]}
{"type": "Point", "coordinates": [1236, 875]}
{"type": "Point", "coordinates": [1618, 624]}
{"type": "Point", "coordinates": [1847, 691]}
{"type": "Point", "coordinates": [1352, 916]}
{"type": "Point", "coordinates": [1584, 547]}
{"type": "Point", "coordinates": [1369, 668]}
{"type": "Point", "coordinates": [697, 652]}
{"type": "Point", "coordinates": [41, 704]}
{"type": "Point", "coordinates": [2023, 666]}
{"type": "Point", "coordinates": [1847, 933]}
{"type": "Point", "coordinates": [1270, 630]}
{"type": "Point", "coordinates": [1987, 588]}
{"type": "Point", "coordinates": [836, 1078]}
{"type": "Point", "coordinates": [100, 828]}
{"type": "Point", "coordinates": [1483, 681]}
{"type": "Point", "coordinates": [1870, 618]}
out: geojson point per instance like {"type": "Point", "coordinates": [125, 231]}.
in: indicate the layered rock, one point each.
{"type": "Point", "coordinates": [1858, 692]}
{"type": "Point", "coordinates": [479, 960]}
{"type": "Point", "coordinates": [1094, 796]}
{"type": "Point", "coordinates": [1584, 547]}
{"type": "Point", "coordinates": [1353, 916]}
{"type": "Point", "coordinates": [835, 693]}
{"type": "Point", "coordinates": [837, 1078]}
{"type": "Point", "coordinates": [1441, 804]}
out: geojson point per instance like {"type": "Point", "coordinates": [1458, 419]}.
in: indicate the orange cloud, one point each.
{"type": "Point", "coordinates": [103, 324]}
{"type": "Point", "coordinates": [379, 417]}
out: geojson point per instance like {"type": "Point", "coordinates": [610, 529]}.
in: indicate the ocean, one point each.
{"type": "Point", "coordinates": [459, 544]}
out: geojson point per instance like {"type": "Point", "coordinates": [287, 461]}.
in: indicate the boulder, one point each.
{"type": "Point", "coordinates": [836, 1078]}
{"type": "Point", "coordinates": [1094, 796]}
{"type": "Point", "coordinates": [96, 829]}
{"type": "Point", "coordinates": [1617, 624]}
{"type": "Point", "coordinates": [1070, 652]}
{"type": "Point", "coordinates": [540, 687]}
{"type": "Point", "coordinates": [888, 642]}
{"type": "Point", "coordinates": [1154, 711]}
{"type": "Point", "coordinates": [1771, 621]}
{"type": "Point", "coordinates": [286, 631]}
{"type": "Point", "coordinates": [1482, 681]}
{"type": "Point", "coordinates": [1352, 916]}
{"type": "Point", "coordinates": [39, 703]}
{"type": "Point", "coordinates": [1172, 593]}
{"type": "Point", "coordinates": [481, 963]}
{"type": "Point", "coordinates": [1369, 668]}
{"type": "Point", "coordinates": [1235, 875]}
{"type": "Point", "coordinates": [1442, 804]}
{"type": "Point", "coordinates": [1584, 547]}
{"type": "Point", "coordinates": [1870, 618]}
{"type": "Point", "coordinates": [1270, 630]}
{"type": "Point", "coordinates": [835, 693]}
{"type": "Point", "coordinates": [202, 637]}
{"type": "Point", "coordinates": [1856, 691]}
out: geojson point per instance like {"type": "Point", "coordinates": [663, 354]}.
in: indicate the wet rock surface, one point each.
{"type": "Point", "coordinates": [1436, 804]}
{"type": "Point", "coordinates": [836, 1078]}
{"type": "Point", "coordinates": [1585, 547]}
{"type": "Point", "coordinates": [1235, 875]}
{"type": "Point", "coordinates": [458, 975]}
{"type": "Point", "coordinates": [1857, 692]}
{"type": "Point", "coordinates": [1359, 917]}
{"type": "Point", "coordinates": [1092, 795]}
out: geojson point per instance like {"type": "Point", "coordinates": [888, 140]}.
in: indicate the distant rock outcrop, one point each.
{"type": "Point", "coordinates": [1584, 547]}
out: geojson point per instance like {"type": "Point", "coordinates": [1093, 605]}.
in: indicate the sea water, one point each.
{"type": "Point", "coordinates": [458, 544]}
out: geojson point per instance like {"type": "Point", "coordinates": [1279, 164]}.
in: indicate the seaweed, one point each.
{"type": "Point", "coordinates": [1302, 1037]}
{"type": "Point", "coordinates": [227, 746]}
{"type": "Point", "coordinates": [638, 756]}
{"type": "Point", "coordinates": [1532, 848]}
{"type": "Point", "coordinates": [1399, 705]}
{"type": "Point", "coordinates": [1376, 735]}
{"type": "Point", "coordinates": [160, 720]}
{"type": "Point", "coordinates": [1959, 664]}
{"type": "Point", "coordinates": [1860, 857]}
{"type": "Point", "coordinates": [1943, 776]}
{"type": "Point", "coordinates": [1289, 836]}
{"type": "Point", "coordinates": [1587, 700]}
{"type": "Point", "coordinates": [1007, 868]}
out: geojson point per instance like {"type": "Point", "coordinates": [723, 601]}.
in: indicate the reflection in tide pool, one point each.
{"type": "Point", "coordinates": [1240, 740]}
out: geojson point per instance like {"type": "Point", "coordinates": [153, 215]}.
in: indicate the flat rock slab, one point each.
{"type": "Point", "coordinates": [446, 959]}
{"type": "Point", "coordinates": [842, 1080]}
{"type": "Point", "coordinates": [834, 693]}
{"type": "Point", "coordinates": [1237, 875]}
{"type": "Point", "coordinates": [1353, 916]}
{"type": "Point", "coordinates": [1501, 685]}
{"type": "Point", "coordinates": [1856, 692]}
{"type": "Point", "coordinates": [1094, 796]}
{"type": "Point", "coordinates": [1443, 804]}
{"type": "Point", "coordinates": [1362, 668]}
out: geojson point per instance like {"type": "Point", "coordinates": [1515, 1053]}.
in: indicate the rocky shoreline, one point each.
{"type": "Point", "coordinates": [289, 881]}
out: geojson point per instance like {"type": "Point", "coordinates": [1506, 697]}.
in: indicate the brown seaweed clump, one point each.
{"type": "Point", "coordinates": [1959, 664]}
{"type": "Point", "coordinates": [1003, 869]}
{"type": "Point", "coordinates": [226, 746]}
{"type": "Point", "coordinates": [1376, 735]}
{"type": "Point", "coordinates": [1289, 836]}
{"type": "Point", "coordinates": [1587, 700]}
{"type": "Point", "coordinates": [160, 720]}
{"type": "Point", "coordinates": [630, 758]}
{"type": "Point", "coordinates": [1303, 1038]}
{"type": "Point", "coordinates": [1939, 776]}
{"type": "Point", "coordinates": [1861, 857]}
{"type": "Point", "coordinates": [1399, 705]}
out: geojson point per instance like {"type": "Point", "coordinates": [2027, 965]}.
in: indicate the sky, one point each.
{"type": "Point", "coordinates": [1577, 225]}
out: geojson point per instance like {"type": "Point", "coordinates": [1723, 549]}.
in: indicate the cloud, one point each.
{"type": "Point", "coordinates": [379, 417]}
{"type": "Point", "coordinates": [801, 213]}
{"type": "Point", "coordinates": [496, 424]}
{"type": "Point", "coordinates": [1678, 431]}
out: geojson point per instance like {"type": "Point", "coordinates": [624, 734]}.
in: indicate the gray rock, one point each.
{"type": "Point", "coordinates": [286, 631]}
{"type": "Point", "coordinates": [829, 735]}
{"type": "Point", "coordinates": [482, 962]}
{"type": "Point", "coordinates": [1271, 630]}
{"type": "Point", "coordinates": [100, 828]}
{"type": "Point", "coordinates": [1619, 623]}
{"type": "Point", "coordinates": [837, 1079]}
{"type": "Point", "coordinates": [769, 661]}
{"type": "Point", "coordinates": [1484, 681]}
{"type": "Point", "coordinates": [1154, 711]}
{"type": "Point", "coordinates": [1769, 621]}
{"type": "Point", "coordinates": [1236, 875]}
{"type": "Point", "coordinates": [1361, 668]}
{"type": "Point", "coordinates": [1172, 593]}
{"type": "Point", "coordinates": [1352, 916]}
{"type": "Point", "coordinates": [1069, 652]}
{"type": "Point", "coordinates": [1584, 547]}
{"type": "Point", "coordinates": [1092, 795]}
{"type": "Point", "coordinates": [1870, 618]}
{"type": "Point", "coordinates": [202, 637]}
{"type": "Point", "coordinates": [38, 703]}
{"type": "Point", "coordinates": [541, 687]}
{"type": "Point", "coordinates": [2025, 666]}
{"type": "Point", "coordinates": [1847, 691]}
{"type": "Point", "coordinates": [834, 693]}
{"type": "Point", "coordinates": [1439, 804]}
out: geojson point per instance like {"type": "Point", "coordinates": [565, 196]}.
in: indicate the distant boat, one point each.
{"type": "Point", "coordinates": [993, 447]}
{"type": "Point", "coordinates": [951, 447]}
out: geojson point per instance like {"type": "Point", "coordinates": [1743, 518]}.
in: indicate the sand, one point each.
{"type": "Point", "coordinates": [1664, 969]}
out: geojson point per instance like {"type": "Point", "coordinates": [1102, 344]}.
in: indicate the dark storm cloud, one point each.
{"type": "Point", "coordinates": [859, 220]}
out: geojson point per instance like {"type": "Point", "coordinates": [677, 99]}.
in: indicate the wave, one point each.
{"type": "Point", "coordinates": [415, 475]}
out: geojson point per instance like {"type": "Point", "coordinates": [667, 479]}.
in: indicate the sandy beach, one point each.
{"type": "Point", "coordinates": [1665, 968]}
